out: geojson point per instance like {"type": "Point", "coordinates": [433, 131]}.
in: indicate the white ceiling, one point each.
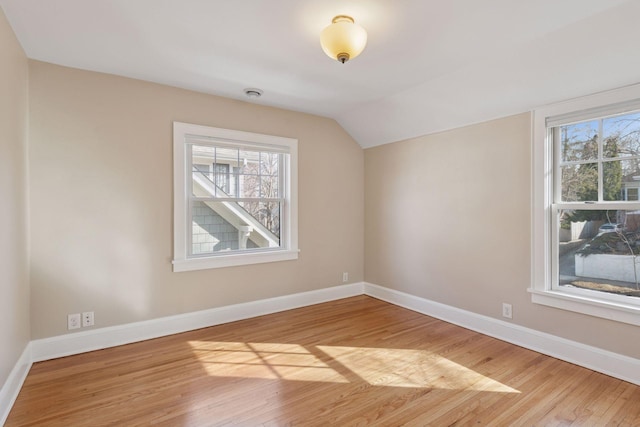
{"type": "Point", "coordinates": [429, 65]}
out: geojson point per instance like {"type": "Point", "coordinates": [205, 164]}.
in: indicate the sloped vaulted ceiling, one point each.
{"type": "Point", "coordinates": [429, 65]}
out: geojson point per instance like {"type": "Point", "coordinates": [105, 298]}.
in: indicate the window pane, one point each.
{"type": "Point", "coordinates": [202, 182]}
{"type": "Point", "coordinates": [202, 158]}
{"type": "Point", "coordinates": [249, 162]}
{"type": "Point", "coordinates": [210, 231]}
{"type": "Point", "coordinates": [269, 187]}
{"type": "Point", "coordinates": [203, 154]}
{"type": "Point", "coordinates": [270, 170]}
{"type": "Point", "coordinates": [249, 186]}
{"type": "Point", "coordinates": [579, 141]}
{"type": "Point", "coordinates": [221, 176]}
{"type": "Point", "coordinates": [226, 155]}
{"type": "Point", "coordinates": [226, 226]}
{"type": "Point", "coordinates": [267, 214]}
{"type": "Point", "coordinates": [619, 177]}
{"type": "Point", "coordinates": [205, 170]}
{"type": "Point", "coordinates": [225, 160]}
{"type": "Point", "coordinates": [598, 250]}
{"type": "Point", "coordinates": [621, 135]}
{"type": "Point", "coordinates": [579, 182]}
{"type": "Point", "coordinates": [269, 164]}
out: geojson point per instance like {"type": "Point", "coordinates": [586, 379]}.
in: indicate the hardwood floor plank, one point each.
{"type": "Point", "coordinates": [357, 361]}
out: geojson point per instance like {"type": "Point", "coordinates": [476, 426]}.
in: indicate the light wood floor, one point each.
{"type": "Point", "coordinates": [357, 361]}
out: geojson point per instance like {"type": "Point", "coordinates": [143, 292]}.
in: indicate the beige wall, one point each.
{"type": "Point", "coordinates": [14, 286]}
{"type": "Point", "coordinates": [448, 219]}
{"type": "Point", "coordinates": [447, 215]}
{"type": "Point", "coordinates": [101, 201]}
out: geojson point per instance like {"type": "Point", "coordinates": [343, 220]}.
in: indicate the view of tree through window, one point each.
{"type": "Point", "coordinates": [598, 162]}
{"type": "Point", "coordinates": [607, 148]}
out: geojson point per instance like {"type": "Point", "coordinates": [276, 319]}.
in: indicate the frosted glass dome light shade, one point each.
{"type": "Point", "coordinates": [343, 39]}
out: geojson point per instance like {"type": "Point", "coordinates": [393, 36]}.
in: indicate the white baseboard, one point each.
{"type": "Point", "coordinates": [609, 363]}
{"type": "Point", "coordinates": [13, 384]}
{"type": "Point", "coordinates": [613, 364]}
{"type": "Point", "coordinates": [97, 339]}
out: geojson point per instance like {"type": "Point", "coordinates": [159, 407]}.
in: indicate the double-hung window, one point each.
{"type": "Point", "coordinates": [586, 230]}
{"type": "Point", "coordinates": [234, 198]}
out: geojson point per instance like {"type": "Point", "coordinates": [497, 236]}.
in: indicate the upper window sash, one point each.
{"type": "Point", "coordinates": [601, 158]}
{"type": "Point", "coordinates": [282, 171]}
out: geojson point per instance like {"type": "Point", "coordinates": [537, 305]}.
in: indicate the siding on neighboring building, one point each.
{"type": "Point", "coordinates": [209, 228]}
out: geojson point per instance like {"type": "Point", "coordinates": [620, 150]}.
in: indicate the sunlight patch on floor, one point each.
{"type": "Point", "coordinates": [411, 368]}
{"type": "Point", "coordinates": [377, 366]}
{"type": "Point", "coordinates": [263, 360]}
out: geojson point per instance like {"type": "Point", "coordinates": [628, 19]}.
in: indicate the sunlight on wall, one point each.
{"type": "Point", "coordinates": [376, 366]}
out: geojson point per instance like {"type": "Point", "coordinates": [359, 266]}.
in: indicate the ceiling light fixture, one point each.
{"type": "Point", "coordinates": [253, 92]}
{"type": "Point", "coordinates": [343, 39]}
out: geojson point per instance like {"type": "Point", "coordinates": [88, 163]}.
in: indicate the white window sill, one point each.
{"type": "Point", "coordinates": [232, 260]}
{"type": "Point", "coordinates": [594, 307]}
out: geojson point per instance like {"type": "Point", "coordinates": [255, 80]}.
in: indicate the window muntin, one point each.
{"type": "Point", "coordinates": [235, 198]}
{"type": "Point", "coordinates": [599, 252]}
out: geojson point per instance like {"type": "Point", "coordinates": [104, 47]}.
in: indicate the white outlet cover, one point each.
{"type": "Point", "coordinates": [87, 319]}
{"type": "Point", "coordinates": [507, 311]}
{"type": "Point", "coordinates": [73, 321]}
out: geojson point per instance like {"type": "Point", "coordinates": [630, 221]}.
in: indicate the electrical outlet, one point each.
{"type": "Point", "coordinates": [73, 321]}
{"type": "Point", "coordinates": [87, 318]}
{"type": "Point", "coordinates": [507, 310]}
{"type": "Point", "coordinates": [345, 277]}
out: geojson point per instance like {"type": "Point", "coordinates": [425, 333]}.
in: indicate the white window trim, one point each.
{"type": "Point", "coordinates": [542, 184]}
{"type": "Point", "coordinates": [289, 244]}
